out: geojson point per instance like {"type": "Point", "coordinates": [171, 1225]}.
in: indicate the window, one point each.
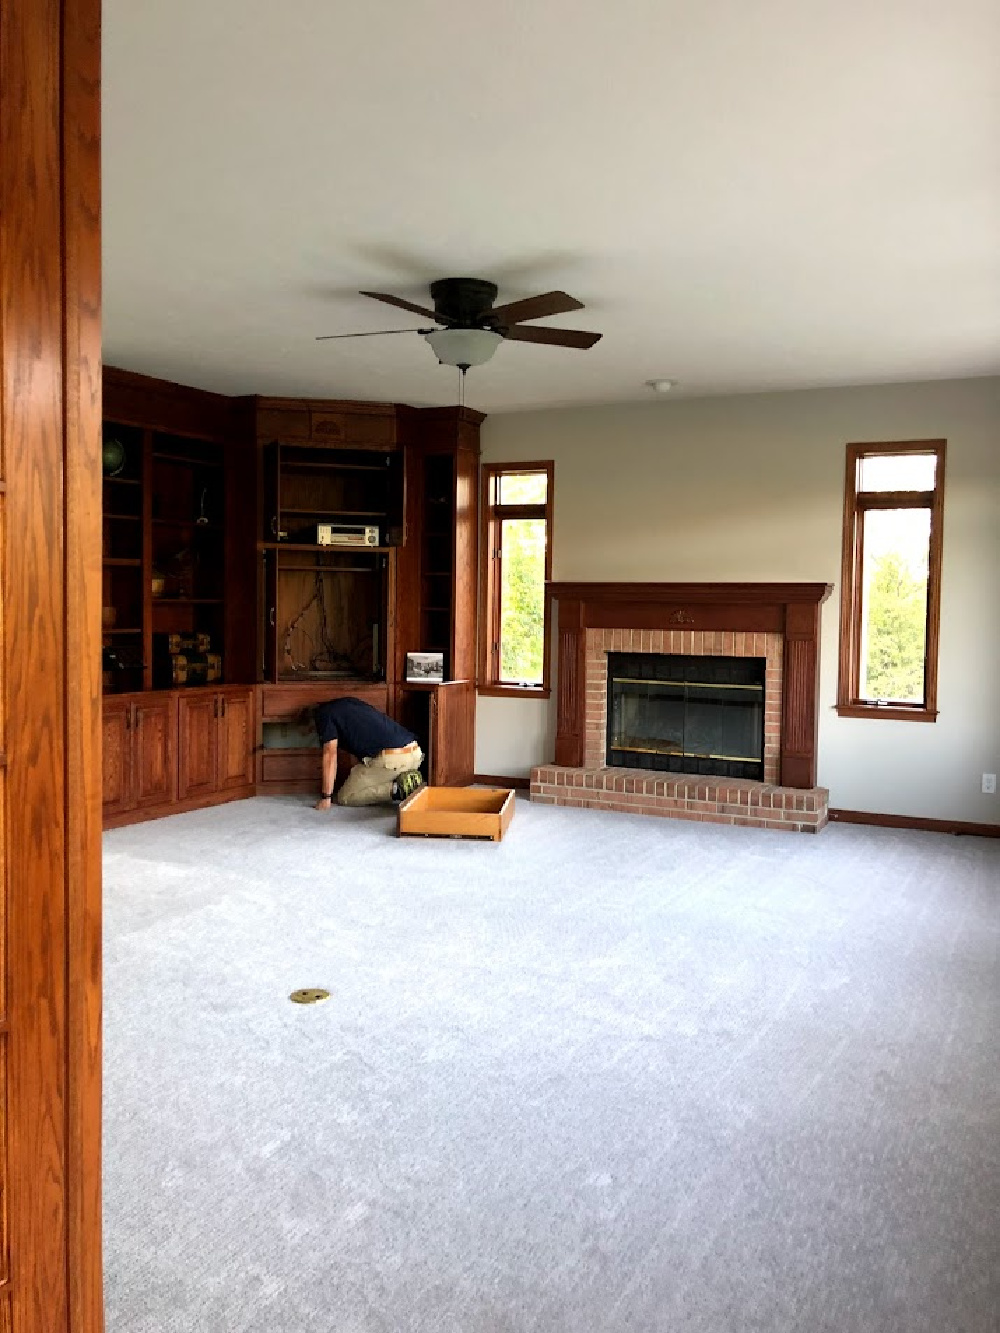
{"type": "Point", "coordinates": [516, 562]}
{"type": "Point", "coordinates": [890, 598]}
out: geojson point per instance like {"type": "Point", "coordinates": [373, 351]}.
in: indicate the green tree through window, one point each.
{"type": "Point", "coordinates": [522, 600]}
{"type": "Point", "coordinates": [897, 625]}
{"type": "Point", "coordinates": [517, 517]}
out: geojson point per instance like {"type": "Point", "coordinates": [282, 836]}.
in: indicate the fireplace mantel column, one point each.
{"type": "Point", "coordinates": [800, 695]}
{"type": "Point", "coordinates": [572, 705]}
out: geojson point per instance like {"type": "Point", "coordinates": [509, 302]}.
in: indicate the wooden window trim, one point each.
{"type": "Point", "coordinates": [489, 683]}
{"type": "Point", "coordinates": [849, 704]}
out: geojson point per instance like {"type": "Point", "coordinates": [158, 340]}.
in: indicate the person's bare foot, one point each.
{"type": "Point", "coordinates": [322, 804]}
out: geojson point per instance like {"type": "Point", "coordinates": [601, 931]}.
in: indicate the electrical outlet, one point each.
{"type": "Point", "coordinates": [989, 784]}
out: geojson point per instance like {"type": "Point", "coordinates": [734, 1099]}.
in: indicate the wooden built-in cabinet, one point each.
{"type": "Point", "coordinates": [172, 750]}
{"type": "Point", "coordinates": [139, 753]}
{"type": "Point", "coordinates": [216, 740]}
{"type": "Point", "coordinates": [211, 507]}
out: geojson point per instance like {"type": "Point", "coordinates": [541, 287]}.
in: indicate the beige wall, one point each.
{"type": "Point", "coordinates": [750, 488]}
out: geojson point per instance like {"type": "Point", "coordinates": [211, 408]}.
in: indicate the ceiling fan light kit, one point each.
{"type": "Point", "coordinates": [463, 347]}
{"type": "Point", "coordinates": [473, 327]}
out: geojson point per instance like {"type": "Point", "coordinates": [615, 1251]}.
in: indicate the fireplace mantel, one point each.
{"type": "Point", "coordinates": [789, 609]}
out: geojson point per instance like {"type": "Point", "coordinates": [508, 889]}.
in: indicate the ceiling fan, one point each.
{"type": "Point", "coordinates": [473, 327]}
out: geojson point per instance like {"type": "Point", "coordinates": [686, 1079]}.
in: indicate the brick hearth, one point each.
{"type": "Point", "coordinates": [637, 791]}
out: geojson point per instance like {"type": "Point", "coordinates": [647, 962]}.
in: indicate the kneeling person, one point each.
{"type": "Point", "coordinates": [384, 748]}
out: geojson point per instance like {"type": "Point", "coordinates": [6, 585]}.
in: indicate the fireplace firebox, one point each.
{"type": "Point", "coordinates": [684, 714]}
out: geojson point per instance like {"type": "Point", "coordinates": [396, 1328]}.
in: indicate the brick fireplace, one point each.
{"type": "Point", "coordinates": [778, 624]}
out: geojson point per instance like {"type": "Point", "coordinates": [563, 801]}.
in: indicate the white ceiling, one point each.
{"type": "Point", "coordinates": [746, 194]}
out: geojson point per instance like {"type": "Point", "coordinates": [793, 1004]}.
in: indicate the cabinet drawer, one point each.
{"type": "Point", "coordinates": [287, 701]}
{"type": "Point", "coordinates": [278, 767]}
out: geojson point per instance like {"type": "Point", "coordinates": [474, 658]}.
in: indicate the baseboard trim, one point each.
{"type": "Point", "coordinates": [141, 816]}
{"type": "Point", "coordinates": [493, 780]}
{"type": "Point", "coordinates": [957, 826]}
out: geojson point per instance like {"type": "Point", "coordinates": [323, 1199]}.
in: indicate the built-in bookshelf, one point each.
{"type": "Point", "coordinates": [164, 558]}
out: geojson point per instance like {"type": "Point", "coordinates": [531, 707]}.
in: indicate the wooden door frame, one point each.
{"type": "Point", "coordinates": [50, 437]}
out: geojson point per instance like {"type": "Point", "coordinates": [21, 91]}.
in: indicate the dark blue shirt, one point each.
{"type": "Point", "coordinates": [359, 728]}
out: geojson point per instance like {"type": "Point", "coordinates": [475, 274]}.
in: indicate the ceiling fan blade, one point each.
{"type": "Point", "coordinates": [407, 305]}
{"type": "Point", "coordinates": [532, 333]}
{"type": "Point", "coordinates": [375, 333]}
{"type": "Point", "coordinates": [535, 307]}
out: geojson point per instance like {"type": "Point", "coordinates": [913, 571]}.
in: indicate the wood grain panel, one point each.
{"type": "Point", "coordinates": [293, 766]}
{"type": "Point", "coordinates": [800, 696]}
{"type": "Point", "coordinates": [281, 703]}
{"type": "Point", "coordinates": [154, 762]}
{"type": "Point", "coordinates": [236, 733]}
{"type": "Point", "coordinates": [198, 764]}
{"type": "Point", "coordinates": [138, 400]}
{"type": "Point", "coordinates": [463, 650]}
{"type": "Point", "coordinates": [32, 425]}
{"type": "Point", "coordinates": [117, 757]}
{"type": "Point", "coordinates": [4, 1192]}
{"type": "Point", "coordinates": [570, 701]}
{"type": "Point", "coordinates": [452, 758]}
{"type": "Point", "coordinates": [739, 616]}
{"type": "Point", "coordinates": [695, 594]}
{"type": "Point", "coordinates": [82, 393]}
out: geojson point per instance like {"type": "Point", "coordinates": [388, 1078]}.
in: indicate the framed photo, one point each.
{"type": "Point", "coordinates": [425, 668]}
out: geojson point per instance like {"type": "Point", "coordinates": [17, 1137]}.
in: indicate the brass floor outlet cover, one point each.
{"type": "Point", "coordinates": [309, 995]}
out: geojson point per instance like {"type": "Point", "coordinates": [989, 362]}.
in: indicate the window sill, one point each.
{"type": "Point", "coordinates": [514, 691]}
{"type": "Point", "coordinates": [897, 713]}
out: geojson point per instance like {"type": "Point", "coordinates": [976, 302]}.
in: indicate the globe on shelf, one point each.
{"type": "Point", "coordinates": [112, 457]}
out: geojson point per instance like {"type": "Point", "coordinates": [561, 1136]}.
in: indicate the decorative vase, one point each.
{"type": "Point", "coordinates": [112, 457]}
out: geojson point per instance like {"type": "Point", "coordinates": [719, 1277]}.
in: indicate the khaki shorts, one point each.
{"type": "Point", "coordinates": [370, 782]}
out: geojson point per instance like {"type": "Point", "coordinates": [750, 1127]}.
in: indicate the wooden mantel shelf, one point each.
{"type": "Point", "coordinates": [789, 609]}
{"type": "Point", "coordinates": [705, 594]}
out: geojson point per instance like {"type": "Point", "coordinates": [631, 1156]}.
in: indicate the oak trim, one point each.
{"type": "Point", "coordinates": [489, 682]}
{"type": "Point", "coordinates": [498, 780]}
{"type": "Point", "coordinates": [515, 691]}
{"type": "Point", "coordinates": [701, 594]}
{"type": "Point", "coordinates": [894, 713]}
{"type": "Point", "coordinates": [856, 504]}
{"type": "Point", "coordinates": [960, 827]}
{"type": "Point", "coordinates": [82, 409]}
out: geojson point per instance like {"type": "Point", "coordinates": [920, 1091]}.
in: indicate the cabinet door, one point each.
{"type": "Point", "coordinates": [117, 756]}
{"type": "Point", "coordinates": [154, 768]}
{"type": "Point", "coordinates": [395, 519]}
{"type": "Point", "coordinates": [236, 733]}
{"type": "Point", "coordinates": [198, 767]}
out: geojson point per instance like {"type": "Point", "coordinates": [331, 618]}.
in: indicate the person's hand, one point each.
{"type": "Point", "coordinates": [322, 804]}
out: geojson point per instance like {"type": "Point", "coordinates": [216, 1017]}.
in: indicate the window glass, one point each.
{"type": "Point", "coordinates": [897, 472]}
{"type": "Point", "coordinates": [894, 604]}
{"type": "Point", "coordinates": [523, 488]}
{"type": "Point", "coordinates": [522, 599]}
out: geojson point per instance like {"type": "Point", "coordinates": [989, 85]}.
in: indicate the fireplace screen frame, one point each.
{"type": "Point", "coordinates": [684, 682]}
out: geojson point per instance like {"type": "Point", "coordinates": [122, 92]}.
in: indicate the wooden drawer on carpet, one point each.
{"type": "Point", "coordinates": [456, 812]}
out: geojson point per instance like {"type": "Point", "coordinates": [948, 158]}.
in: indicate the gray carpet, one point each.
{"type": "Point", "coordinates": [614, 1074]}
